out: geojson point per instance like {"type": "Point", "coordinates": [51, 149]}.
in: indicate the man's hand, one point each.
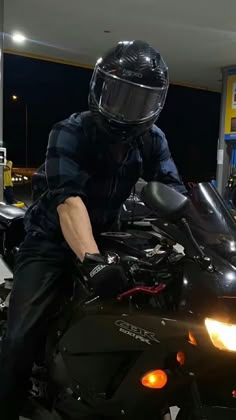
{"type": "Point", "coordinates": [105, 280]}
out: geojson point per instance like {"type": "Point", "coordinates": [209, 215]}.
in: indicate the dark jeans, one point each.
{"type": "Point", "coordinates": [9, 195]}
{"type": "Point", "coordinates": [38, 282]}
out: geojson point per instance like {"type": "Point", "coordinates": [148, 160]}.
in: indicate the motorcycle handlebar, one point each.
{"type": "Point", "coordinates": [114, 258]}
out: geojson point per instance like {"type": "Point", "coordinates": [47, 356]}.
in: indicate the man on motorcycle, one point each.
{"type": "Point", "coordinates": [93, 161]}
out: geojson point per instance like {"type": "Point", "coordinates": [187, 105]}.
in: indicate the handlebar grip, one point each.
{"type": "Point", "coordinates": [107, 259]}
{"type": "Point", "coordinates": [94, 258]}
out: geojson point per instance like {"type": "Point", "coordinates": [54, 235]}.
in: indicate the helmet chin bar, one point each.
{"type": "Point", "coordinates": [119, 134]}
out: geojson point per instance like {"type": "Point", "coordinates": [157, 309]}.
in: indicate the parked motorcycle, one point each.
{"type": "Point", "coordinates": [169, 339]}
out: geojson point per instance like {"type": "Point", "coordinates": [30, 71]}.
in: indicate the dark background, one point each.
{"type": "Point", "coordinates": [53, 91]}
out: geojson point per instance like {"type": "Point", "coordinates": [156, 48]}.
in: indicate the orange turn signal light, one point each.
{"type": "Point", "coordinates": [234, 393]}
{"type": "Point", "coordinates": [191, 339]}
{"type": "Point", "coordinates": [155, 379]}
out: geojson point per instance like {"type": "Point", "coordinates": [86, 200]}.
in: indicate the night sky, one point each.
{"type": "Point", "coordinates": [54, 91]}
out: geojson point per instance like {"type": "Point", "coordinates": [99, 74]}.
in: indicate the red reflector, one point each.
{"type": "Point", "coordinates": [180, 357]}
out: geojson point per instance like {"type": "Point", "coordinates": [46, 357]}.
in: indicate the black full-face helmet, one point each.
{"type": "Point", "coordinates": [128, 90]}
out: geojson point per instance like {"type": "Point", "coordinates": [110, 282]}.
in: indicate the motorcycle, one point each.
{"type": "Point", "coordinates": [167, 340]}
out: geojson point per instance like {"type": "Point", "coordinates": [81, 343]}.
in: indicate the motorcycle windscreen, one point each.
{"type": "Point", "coordinates": [211, 222]}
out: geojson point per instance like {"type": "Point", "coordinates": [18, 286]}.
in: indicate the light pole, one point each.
{"type": "Point", "coordinates": [17, 98]}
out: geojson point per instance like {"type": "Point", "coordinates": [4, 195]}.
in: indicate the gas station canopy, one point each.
{"type": "Point", "coordinates": [197, 38]}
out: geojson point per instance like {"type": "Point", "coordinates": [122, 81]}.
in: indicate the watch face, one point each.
{"type": "Point", "coordinates": [120, 235]}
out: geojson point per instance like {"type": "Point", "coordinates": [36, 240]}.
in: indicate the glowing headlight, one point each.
{"type": "Point", "coordinates": [223, 336]}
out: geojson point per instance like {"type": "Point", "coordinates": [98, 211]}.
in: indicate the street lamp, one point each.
{"type": "Point", "coordinates": [15, 98]}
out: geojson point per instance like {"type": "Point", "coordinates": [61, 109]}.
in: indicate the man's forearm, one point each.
{"type": "Point", "coordinates": [76, 227]}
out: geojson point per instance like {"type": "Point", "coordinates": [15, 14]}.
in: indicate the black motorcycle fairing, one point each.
{"type": "Point", "coordinates": [110, 357]}
{"type": "Point", "coordinates": [204, 293]}
{"type": "Point", "coordinates": [211, 221]}
{"type": "Point", "coordinates": [215, 229]}
{"type": "Point", "coordinates": [201, 293]}
{"type": "Point", "coordinates": [210, 294]}
{"type": "Point", "coordinates": [100, 376]}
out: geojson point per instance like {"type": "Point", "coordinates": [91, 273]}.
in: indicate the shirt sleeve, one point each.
{"type": "Point", "coordinates": [160, 166]}
{"type": "Point", "coordinates": [64, 173]}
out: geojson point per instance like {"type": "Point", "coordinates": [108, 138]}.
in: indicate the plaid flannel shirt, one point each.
{"type": "Point", "coordinates": [78, 164]}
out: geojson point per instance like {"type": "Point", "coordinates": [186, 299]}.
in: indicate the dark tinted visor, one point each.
{"type": "Point", "coordinates": [124, 101]}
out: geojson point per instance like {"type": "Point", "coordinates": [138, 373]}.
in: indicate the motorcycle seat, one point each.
{"type": "Point", "coordinates": [8, 214]}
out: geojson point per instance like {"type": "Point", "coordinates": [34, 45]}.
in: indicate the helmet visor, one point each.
{"type": "Point", "coordinates": [124, 101]}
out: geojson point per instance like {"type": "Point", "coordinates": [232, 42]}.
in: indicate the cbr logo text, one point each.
{"type": "Point", "coordinates": [136, 332]}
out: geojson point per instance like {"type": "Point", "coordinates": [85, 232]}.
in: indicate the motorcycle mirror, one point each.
{"type": "Point", "coordinates": [165, 201]}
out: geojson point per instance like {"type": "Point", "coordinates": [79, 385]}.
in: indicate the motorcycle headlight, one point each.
{"type": "Point", "coordinates": [223, 336]}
